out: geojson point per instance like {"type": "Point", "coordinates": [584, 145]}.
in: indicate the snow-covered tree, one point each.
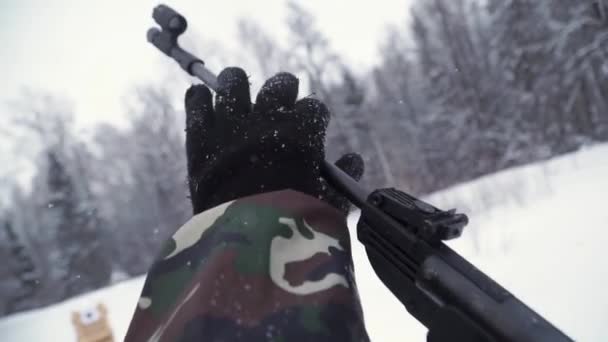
{"type": "Point", "coordinates": [141, 181]}
{"type": "Point", "coordinates": [21, 277]}
{"type": "Point", "coordinates": [80, 262]}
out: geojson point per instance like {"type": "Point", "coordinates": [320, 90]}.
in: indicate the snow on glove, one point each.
{"type": "Point", "coordinates": [238, 149]}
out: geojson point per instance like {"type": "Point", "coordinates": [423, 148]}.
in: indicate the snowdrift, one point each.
{"type": "Point", "coordinates": [54, 323]}
{"type": "Point", "coordinates": [539, 230]}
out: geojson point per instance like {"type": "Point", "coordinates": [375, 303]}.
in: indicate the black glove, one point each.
{"type": "Point", "coordinates": [235, 150]}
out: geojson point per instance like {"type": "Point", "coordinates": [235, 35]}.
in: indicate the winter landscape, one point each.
{"type": "Point", "coordinates": [497, 108]}
{"type": "Point", "coordinates": [535, 241]}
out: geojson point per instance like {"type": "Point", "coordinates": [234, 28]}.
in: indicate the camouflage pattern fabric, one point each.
{"type": "Point", "coordinates": [271, 267]}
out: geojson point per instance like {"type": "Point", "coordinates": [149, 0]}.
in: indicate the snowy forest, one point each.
{"type": "Point", "coordinates": [465, 89]}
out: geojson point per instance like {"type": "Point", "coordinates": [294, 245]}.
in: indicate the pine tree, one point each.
{"type": "Point", "coordinates": [81, 261]}
{"type": "Point", "coordinates": [23, 271]}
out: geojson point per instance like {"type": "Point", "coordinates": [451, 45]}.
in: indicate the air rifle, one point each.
{"type": "Point", "coordinates": [403, 237]}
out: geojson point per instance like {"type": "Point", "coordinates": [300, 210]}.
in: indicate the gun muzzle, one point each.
{"type": "Point", "coordinates": [169, 19]}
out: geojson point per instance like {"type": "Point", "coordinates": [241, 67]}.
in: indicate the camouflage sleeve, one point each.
{"type": "Point", "coordinates": [270, 267]}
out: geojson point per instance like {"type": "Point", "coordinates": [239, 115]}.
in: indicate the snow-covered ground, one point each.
{"type": "Point", "coordinates": [54, 323]}
{"type": "Point", "coordinates": [538, 230]}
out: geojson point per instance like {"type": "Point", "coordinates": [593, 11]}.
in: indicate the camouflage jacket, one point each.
{"type": "Point", "coordinates": [269, 267]}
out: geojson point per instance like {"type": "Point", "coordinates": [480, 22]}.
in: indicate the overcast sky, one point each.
{"type": "Point", "coordinates": [93, 52]}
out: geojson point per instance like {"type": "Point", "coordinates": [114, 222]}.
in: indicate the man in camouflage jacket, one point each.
{"type": "Point", "coordinates": [266, 256]}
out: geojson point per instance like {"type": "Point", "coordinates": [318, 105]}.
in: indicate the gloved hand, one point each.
{"type": "Point", "coordinates": [236, 149]}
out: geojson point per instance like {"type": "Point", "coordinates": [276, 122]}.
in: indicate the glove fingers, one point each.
{"type": "Point", "coordinates": [281, 90]}
{"type": "Point", "coordinates": [199, 107]}
{"type": "Point", "coordinates": [233, 98]}
{"type": "Point", "coordinates": [314, 118]}
{"type": "Point", "coordinates": [353, 165]}
{"type": "Point", "coordinates": [199, 115]}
